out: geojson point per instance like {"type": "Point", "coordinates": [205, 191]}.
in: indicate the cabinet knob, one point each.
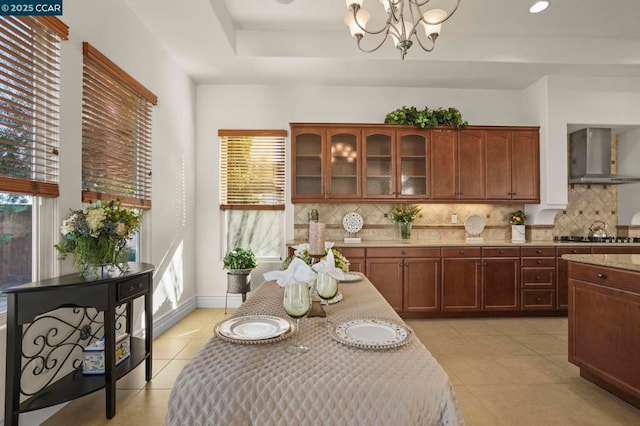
{"type": "Point", "coordinates": [574, 251]}
{"type": "Point", "coordinates": [485, 264]}
{"type": "Point", "coordinates": [538, 299]}
{"type": "Point", "coordinates": [500, 251]}
{"type": "Point", "coordinates": [461, 252]}
{"type": "Point", "coordinates": [513, 193]}
{"type": "Point", "coordinates": [404, 252]}
{"type": "Point", "coordinates": [460, 193]}
{"type": "Point", "coordinates": [400, 264]}
{"type": "Point", "coordinates": [538, 251]}
{"type": "Point", "coordinates": [479, 264]}
{"type": "Point", "coordinates": [537, 277]}
{"type": "Point", "coordinates": [539, 262]}
{"type": "Point", "coordinates": [132, 288]}
{"type": "Point", "coordinates": [508, 193]}
{"type": "Point", "coordinates": [601, 275]}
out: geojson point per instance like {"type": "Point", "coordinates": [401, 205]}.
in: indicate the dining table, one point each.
{"type": "Point", "coordinates": [336, 382]}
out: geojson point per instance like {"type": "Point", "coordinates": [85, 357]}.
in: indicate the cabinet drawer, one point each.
{"type": "Point", "coordinates": [615, 250]}
{"type": "Point", "coordinates": [537, 277]}
{"type": "Point", "coordinates": [537, 299]}
{"type": "Point", "coordinates": [500, 251]}
{"type": "Point", "coordinates": [572, 250]}
{"type": "Point", "coordinates": [547, 262]}
{"type": "Point", "coordinates": [132, 288]}
{"type": "Point", "coordinates": [403, 252]}
{"type": "Point", "coordinates": [349, 252]}
{"type": "Point", "coordinates": [538, 251]}
{"type": "Point", "coordinates": [625, 280]}
{"type": "Point", "coordinates": [461, 252]}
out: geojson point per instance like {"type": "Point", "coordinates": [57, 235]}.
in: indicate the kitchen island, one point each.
{"type": "Point", "coordinates": [604, 321]}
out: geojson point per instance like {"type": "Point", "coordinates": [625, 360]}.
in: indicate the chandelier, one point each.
{"type": "Point", "coordinates": [403, 19]}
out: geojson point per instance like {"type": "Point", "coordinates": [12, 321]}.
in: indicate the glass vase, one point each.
{"type": "Point", "coordinates": [405, 230]}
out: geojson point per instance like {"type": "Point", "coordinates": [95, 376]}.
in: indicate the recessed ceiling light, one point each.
{"type": "Point", "coordinates": [284, 1]}
{"type": "Point", "coordinates": [539, 6]}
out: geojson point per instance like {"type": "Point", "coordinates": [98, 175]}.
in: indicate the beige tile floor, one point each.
{"type": "Point", "coordinates": [505, 371]}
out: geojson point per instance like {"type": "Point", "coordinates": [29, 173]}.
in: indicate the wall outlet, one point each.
{"type": "Point", "coordinates": [454, 218]}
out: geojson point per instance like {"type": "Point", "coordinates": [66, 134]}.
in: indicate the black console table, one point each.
{"type": "Point", "coordinates": [30, 303]}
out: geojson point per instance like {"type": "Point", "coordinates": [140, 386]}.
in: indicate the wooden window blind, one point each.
{"type": "Point", "coordinates": [116, 133]}
{"type": "Point", "coordinates": [29, 103]}
{"type": "Point", "coordinates": [252, 169]}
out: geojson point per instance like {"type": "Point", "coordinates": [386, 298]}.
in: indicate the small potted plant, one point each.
{"type": "Point", "coordinates": [405, 215]}
{"type": "Point", "coordinates": [239, 263]}
{"type": "Point", "coordinates": [517, 219]}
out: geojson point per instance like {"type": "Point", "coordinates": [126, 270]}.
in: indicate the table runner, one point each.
{"type": "Point", "coordinates": [332, 384]}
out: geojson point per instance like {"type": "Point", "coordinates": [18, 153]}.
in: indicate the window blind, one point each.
{"type": "Point", "coordinates": [29, 103]}
{"type": "Point", "coordinates": [116, 133]}
{"type": "Point", "coordinates": [252, 169]}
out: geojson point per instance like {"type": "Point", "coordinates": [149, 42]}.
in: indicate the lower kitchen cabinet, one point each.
{"type": "Point", "coordinates": [562, 278]}
{"type": "Point", "coordinates": [461, 279]}
{"type": "Point", "coordinates": [410, 280]}
{"type": "Point", "coordinates": [386, 276]}
{"type": "Point", "coordinates": [421, 285]}
{"type": "Point", "coordinates": [501, 279]}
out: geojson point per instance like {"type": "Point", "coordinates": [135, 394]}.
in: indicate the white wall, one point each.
{"type": "Point", "coordinates": [274, 107]}
{"type": "Point", "coordinates": [629, 164]}
{"type": "Point", "coordinates": [169, 227]}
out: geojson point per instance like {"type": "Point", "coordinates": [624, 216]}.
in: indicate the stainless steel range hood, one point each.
{"type": "Point", "coordinates": [590, 154]}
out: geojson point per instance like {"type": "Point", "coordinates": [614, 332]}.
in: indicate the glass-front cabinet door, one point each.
{"type": "Point", "coordinates": [308, 154]}
{"type": "Point", "coordinates": [379, 166]}
{"type": "Point", "coordinates": [413, 155]}
{"type": "Point", "coordinates": [343, 163]}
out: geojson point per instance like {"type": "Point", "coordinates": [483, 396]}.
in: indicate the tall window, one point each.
{"type": "Point", "coordinates": [252, 167]}
{"type": "Point", "coordinates": [116, 133]}
{"type": "Point", "coordinates": [29, 136]}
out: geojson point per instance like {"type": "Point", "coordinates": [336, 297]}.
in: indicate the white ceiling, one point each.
{"type": "Point", "coordinates": [487, 44]}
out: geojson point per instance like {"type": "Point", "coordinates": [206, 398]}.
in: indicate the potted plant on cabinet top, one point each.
{"type": "Point", "coordinates": [239, 263]}
{"type": "Point", "coordinates": [404, 216]}
{"type": "Point", "coordinates": [517, 219]}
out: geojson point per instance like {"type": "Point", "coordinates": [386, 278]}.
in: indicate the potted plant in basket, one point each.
{"type": "Point", "coordinates": [517, 219]}
{"type": "Point", "coordinates": [405, 215]}
{"type": "Point", "coordinates": [239, 263]}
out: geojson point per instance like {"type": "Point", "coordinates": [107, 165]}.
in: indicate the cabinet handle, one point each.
{"type": "Point", "coordinates": [601, 275]}
{"type": "Point", "coordinates": [404, 252]}
{"type": "Point", "coordinates": [461, 252]}
{"type": "Point", "coordinates": [460, 193]}
{"type": "Point", "coordinates": [537, 277]}
{"type": "Point", "coordinates": [538, 299]}
{"type": "Point", "coordinates": [500, 251]}
{"type": "Point", "coordinates": [479, 264]}
{"type": "Point", "coordinates": [574, 251]}
{"type": "Point", "coordinates": [406, 265]}
{"type": "Point", "coordinates": [508, 193]}
{"type": "Point", "coordinates": [538, 251]}
{"type": "Point", "coordinates": [538, 262]}
{"type": "Point", "coordinates": [400, 264]}
{"type": "Point", "coordinates": [513, 193]}
{"type": "Point", "coordinates": [132, 288]}
{"type": "Point", "coordinates": [485, 264]}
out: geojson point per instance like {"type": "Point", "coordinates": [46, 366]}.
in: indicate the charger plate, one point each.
{"type": "Point", "coordinates": [254, 329]}
{"type": "Point", "coordinates": [372, 333]}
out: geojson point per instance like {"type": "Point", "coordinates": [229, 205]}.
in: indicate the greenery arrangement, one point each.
{"type": "Point", "coordinates": [97, 236]}
{"type": "Point", "coordinates": [517, 218]}
{"type": "Point", "coordinates": [426, 118]}
{"type": "Point", "coordinates": [240, 258]}
{"type": "Point", "coordinates": [341, 261]}
{"type": "Point", "coordinates": [404, 213]}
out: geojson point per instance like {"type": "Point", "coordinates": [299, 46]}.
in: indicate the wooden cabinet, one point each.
{"type": "Point", "coordinates": [356, 257]}
{"type": "Point", "coordinates": [343, 165]}
{"type": "Point", "coordinates": [362, 162]}
{"type": "Point", "coordinates": [604, 319]}
{"type": "Point", "coordinates": [308, 153]}
{"type": "Point", "coordinates": [408, 278]}
{"type": "Point", "coordinates": [500, 278]}
{"type": "Point", "coordinates": [457, 164]}
{"type": "Point", "coordinates": [562, 279]}
{"type": "Point", "coordinates": [538, 278]}
{"type": "Point", "coordinates": [461, 279]}
{"type": "Point", "coordinates": [512, 165]}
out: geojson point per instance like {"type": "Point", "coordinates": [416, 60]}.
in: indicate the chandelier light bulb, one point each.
{"type": "Point", "coordinates": [362, 17]}
{"type": "Point", "coordinates": [433, 22]}
{"type": "Point", "coordinates": [539, 6]}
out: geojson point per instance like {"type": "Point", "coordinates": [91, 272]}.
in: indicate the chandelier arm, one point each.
{"type": "Point", "coordinates": [426, 49]}
{"type": "Point", "coordinates": [385, 28]}
{"type": "Point", "coordinates": [375, 48]}
{"type": "Point", "coordinates": [396, 6]}
{"type": "Point", "coordinates": [449, 15]}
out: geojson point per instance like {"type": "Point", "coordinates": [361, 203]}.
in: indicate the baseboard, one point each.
{"type": "Point", "coordinates": [234, 301]}
{"type": "Point", "coordinates": [171, 318]}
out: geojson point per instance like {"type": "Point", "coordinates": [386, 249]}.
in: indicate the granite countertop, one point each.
{"type": "Point", "coordinates": [621, 261]}
{"type": "Point", "coordinates": [442, 243]}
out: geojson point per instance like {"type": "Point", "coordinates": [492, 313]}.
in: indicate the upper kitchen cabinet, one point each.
{"type": "Point", "coordinates": [512, 165]}
{"type": "Point", "coordinates": [308, 154]}
{"type": "Point", "coordinates": [378, 163]}
{"type": "Point", "coordinates": [343, 165]}
{"type": "Point", "coordinates": [457, 164]}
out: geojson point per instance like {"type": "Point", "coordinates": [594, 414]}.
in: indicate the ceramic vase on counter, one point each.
{"type": "Point", "coordinates": [517, 234]}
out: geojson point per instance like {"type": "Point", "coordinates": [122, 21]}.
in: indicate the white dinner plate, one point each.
{"type": "Point", "coordinates": [372, 333]}
{"type": "Point", "coordinates": [351, 277]}
{"type": "Point", "coordinates": [474, 224]}
{"type": "Point", "coordinates": [254, 327]}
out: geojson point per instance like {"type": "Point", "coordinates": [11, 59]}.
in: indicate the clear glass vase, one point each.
{"type": "Point", "coordinates": [405, 230]}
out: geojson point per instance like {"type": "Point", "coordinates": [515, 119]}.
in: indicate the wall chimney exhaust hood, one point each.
{"type": "Point", "coordinates": [590, 155]}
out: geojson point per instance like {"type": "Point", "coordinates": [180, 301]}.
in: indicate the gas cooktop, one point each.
{"type": "Point", "coordinates": [610, 239]}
